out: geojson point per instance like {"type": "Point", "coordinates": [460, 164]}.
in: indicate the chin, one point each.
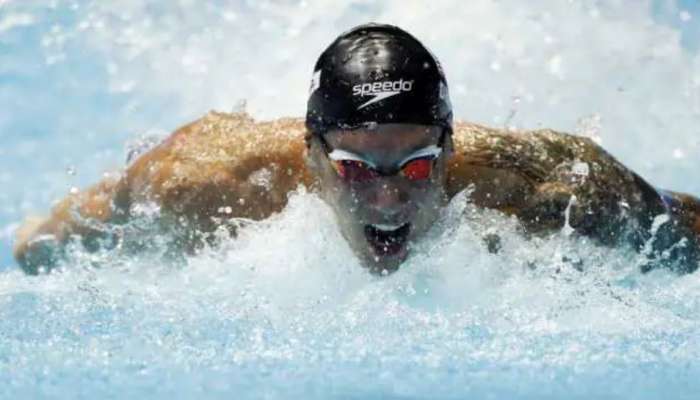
{"type": "Point", "coordinates": [386, 264]}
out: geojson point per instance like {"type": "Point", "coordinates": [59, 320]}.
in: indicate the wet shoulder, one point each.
{"type": "Point", "coordinates": [534, 155]}
{"type": "Point", "coordinates": [508, 166]}
{"type": "Point", "coordinates": [505, 167]}
{"type": "Point", "coordinates": [226, 162]}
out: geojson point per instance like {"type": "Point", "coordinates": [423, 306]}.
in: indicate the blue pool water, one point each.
{"type": "Point", "coordinates": [284, 311]}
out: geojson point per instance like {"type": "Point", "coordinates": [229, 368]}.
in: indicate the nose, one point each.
{"type": "Point", "coordinates": [387, 198]}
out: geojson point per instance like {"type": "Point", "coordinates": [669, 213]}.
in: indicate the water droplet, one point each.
{"type": "Point", "coordinates": [240, 107]}
{"type": "Point", "coordinates": [580, 169]}
{"type": "Point", "coordinates": [590, 127]}
{"type": "Point", "coordinates": [261, 177]}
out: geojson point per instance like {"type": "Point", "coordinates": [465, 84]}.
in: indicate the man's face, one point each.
{"type": "Point", "coordinates": [385, 184]}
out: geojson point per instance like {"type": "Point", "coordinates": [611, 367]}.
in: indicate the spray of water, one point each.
{"type": "Point", "coordinates": [286, 301]}
{"type": "Point", "coordinates": [284, 310]}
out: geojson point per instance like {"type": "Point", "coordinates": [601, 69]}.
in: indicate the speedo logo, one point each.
{"type": "Point", "coordinates": [381, 90]}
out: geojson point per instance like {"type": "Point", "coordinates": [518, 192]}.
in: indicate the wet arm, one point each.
{"type": "Point", "coordinates": [86, 215]}
{"type": "Point", "coordinates": [40, 242]}
{"type": "Point", "coordinates": [589, 191]}
{"type": "Point", "coordinates": [218, 168]}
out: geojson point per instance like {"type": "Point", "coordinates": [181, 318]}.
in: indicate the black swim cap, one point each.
{"type": "Point", "coordinates": [377, 74]}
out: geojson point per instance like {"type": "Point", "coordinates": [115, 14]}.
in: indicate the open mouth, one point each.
{"type": "Point", "coordinates": [387, 240]}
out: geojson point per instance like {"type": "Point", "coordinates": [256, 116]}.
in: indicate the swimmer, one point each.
{"type": "Point", "coordinates": [380, 147]}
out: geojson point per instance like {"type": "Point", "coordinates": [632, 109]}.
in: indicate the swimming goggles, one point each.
{"type": "Point", "coordinates": [351, 167]}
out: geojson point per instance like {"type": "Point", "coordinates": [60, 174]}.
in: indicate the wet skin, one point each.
{"type": "Point", "coordinates": [206, 172]}
{"type": "Point", "coordinates": [381, 218]}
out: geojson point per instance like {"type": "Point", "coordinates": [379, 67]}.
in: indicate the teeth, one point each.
{"type": "Point", "coordinates": [387, 228]}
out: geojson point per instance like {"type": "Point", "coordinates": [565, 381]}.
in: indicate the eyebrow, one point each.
{"type": "Point", "coordinates": [428, 151]}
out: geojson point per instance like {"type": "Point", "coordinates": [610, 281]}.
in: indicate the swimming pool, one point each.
{"type": "Point", "coordinates": [284, 311]}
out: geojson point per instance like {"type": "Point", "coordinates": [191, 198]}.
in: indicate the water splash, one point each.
{"type": "Point", "coordinates": [284, 310]}
{"type": "Point", "coordinates": [286, 297]}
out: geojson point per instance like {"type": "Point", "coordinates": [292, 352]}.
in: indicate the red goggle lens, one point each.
{"type": "Point", "coordinates": [418, 169]}
{"type": "Point", "coordinates": [355, 171]}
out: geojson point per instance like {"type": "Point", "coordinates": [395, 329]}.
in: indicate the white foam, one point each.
{"type": "Point", "coordinates": [285, 308]}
